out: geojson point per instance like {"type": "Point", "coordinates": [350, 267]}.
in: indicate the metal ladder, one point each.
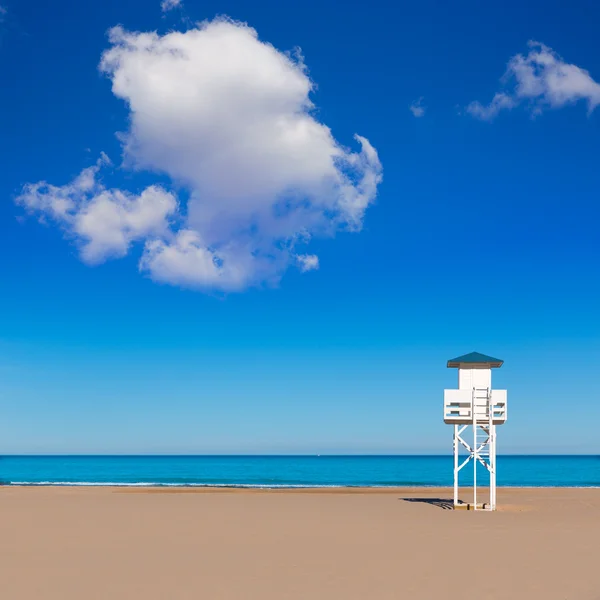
{"type": "Point", "coordinates": [482, 414]}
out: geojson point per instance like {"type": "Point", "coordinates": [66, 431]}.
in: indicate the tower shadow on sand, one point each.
{"type": "Point", "coordinates": [444, 503]}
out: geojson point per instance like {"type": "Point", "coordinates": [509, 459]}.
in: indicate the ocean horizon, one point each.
{"type": "Point", "coordinates": [292, 471]}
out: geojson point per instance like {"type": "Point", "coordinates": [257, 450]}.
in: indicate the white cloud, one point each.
{"type": "Point", "coordinates": [167, 5]}
{"type": "Point", "coordinates": [487, 112]}
{"type": "Point", "coordinates": [543, 80]}
{"type": "Point", "coordinates": [417, 108]}
{"type": "Point", "coordinates": [3, 12]}
{"type": "Point", "coordinates": [308, 262]}
{"type": "Point", "coordinates": [104, 222]}
{"type": "Point", "coordinates": [187, 260]}
{"type": "Point", "coordinates": [229, 119]}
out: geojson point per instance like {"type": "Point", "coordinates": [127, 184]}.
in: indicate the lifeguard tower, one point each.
{"type": "Point", "coordinates": [474, 409]}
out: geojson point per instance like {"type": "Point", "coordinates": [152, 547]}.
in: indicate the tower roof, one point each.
{"type": "Point", "coordinates": [475, 358]}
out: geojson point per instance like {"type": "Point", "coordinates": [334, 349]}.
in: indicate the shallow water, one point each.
{"type": "Point", "coordinates": [293, 471]}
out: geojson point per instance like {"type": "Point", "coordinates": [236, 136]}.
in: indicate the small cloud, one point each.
{"type": "Point", "coordinates": [308, 262]}
{"type": "Point", "coordinates": [167, 5]}
{"type": "Point", "coordinates": [499, 102]}
{"type": "Point", "coordinates": [543, 80]}
{"type": "Point", "coordinates": [2, 13]}
{"type": "Point", "coordinates": [417, 108]}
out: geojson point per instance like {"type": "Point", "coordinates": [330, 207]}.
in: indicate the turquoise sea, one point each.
{"type": "Point", "coordinates": [291, 471]}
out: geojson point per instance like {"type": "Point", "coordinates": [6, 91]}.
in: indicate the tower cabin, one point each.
{"type": "Point", "coordinates": [474, 398]}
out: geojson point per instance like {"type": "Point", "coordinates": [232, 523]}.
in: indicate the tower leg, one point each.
{"type": "Point", "coordinates": [493, 465]}
{"type": "Point", "coordinates": [455, 447]}
{"type": "Point", "coordinates": [474, 465]}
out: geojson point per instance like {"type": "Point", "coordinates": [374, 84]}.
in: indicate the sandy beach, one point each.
{"type": "Point", "coordinates": [116, 543]}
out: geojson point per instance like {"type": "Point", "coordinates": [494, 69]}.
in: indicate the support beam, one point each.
{"type": "Point", "coordinates": [482, 449]}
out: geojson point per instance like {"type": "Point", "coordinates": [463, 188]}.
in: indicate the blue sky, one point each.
{"type": "Point", "coordinates": [474, 227]}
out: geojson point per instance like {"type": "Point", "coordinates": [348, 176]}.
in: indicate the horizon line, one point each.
{"type": "Point", "coordinates": [248, 455]}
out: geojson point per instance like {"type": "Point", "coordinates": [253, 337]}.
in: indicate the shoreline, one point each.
{"type": "Point", "coordinates": [356, 489]}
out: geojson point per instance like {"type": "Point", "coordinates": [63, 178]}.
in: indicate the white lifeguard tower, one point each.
{"type": "Point", "coordinates": [475, 405]}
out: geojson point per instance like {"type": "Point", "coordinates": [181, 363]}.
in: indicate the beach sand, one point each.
{"type": "Point", "coordinates": [151, 544]}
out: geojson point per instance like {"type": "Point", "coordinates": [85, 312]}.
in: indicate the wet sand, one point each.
{"type": "Point", "coordinates": [171, 544]}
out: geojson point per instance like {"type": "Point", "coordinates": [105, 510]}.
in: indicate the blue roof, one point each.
{"type": "Point", "coordinates": [475, 358]}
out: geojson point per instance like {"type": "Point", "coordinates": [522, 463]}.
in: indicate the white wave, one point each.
{"type": "Point", "coordinates": [160, 484]}
{"type": "Point", "coordinates": [265, 486]}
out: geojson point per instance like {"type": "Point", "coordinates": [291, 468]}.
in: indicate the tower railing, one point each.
{"type": "Point", "coordinates": [463, 406]}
